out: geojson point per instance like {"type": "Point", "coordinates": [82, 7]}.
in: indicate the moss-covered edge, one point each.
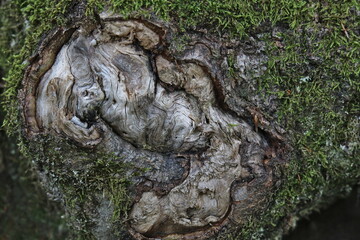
{"type": "Point", "coordinates": [313, 69]}
{"type": "Point", "coordinates": [82, 179]}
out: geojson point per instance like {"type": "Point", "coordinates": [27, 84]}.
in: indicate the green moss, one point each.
{"type": "Point", "coordinates": [33, 18]}
{"type": "Point", "coordinates": [313, 69]}
{"type": "Point", "coordinates": [314, 73]}
{"type": "Point", "coordinates": [84, 178]}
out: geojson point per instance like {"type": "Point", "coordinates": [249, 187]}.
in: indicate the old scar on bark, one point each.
{"type": "Point", "coordinates": [113, 88]}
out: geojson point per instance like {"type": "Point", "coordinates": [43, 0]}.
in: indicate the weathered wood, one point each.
{"type": "Point", "coordinates": [119, 87]}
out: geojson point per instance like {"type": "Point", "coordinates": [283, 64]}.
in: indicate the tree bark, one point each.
{"type": "Point", "coordinates": [141, 138]}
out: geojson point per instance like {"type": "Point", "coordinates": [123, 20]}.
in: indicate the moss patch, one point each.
{"type": "Point", "coordinates": [23, 22]}
{"type": "Point", "coordinates": [82, 179]}
{"type": "Point", "coordinates": [313, 69]}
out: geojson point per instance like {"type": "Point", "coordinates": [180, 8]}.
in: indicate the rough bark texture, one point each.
{"type": "Point", "coordinates": [145, 130]}
{"type": "Point", "coordinates": [117, 87]}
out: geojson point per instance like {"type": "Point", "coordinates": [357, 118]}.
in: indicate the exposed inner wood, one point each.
{"type": "Point", "coordinates": [111, 88]}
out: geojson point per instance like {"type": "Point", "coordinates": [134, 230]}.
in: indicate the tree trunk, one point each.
{"type": "Point", "coordinates": [147, 131]}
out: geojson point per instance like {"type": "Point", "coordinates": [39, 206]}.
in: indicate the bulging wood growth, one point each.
{"type": "Point", "coordinates": [119, 87]}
